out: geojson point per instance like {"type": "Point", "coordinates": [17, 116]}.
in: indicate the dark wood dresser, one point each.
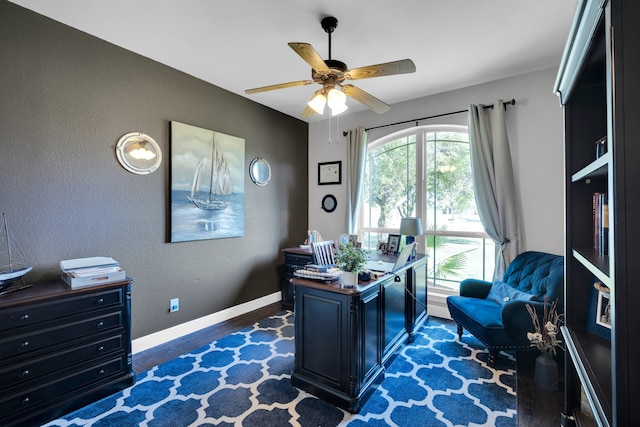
{"type": "Point", "coordinates": [62, 349]}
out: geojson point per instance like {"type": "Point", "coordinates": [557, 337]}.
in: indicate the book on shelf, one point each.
{"type": "Point", "coordinates": [84, 272]}
{"type": "Point", "coordinates": [600, 223]}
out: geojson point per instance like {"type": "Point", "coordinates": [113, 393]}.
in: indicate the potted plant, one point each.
{"type": "Point", "coordinates": [350, 259]}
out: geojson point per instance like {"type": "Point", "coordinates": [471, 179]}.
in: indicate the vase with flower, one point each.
{"type": "Point", "coordinates": [545, 338]}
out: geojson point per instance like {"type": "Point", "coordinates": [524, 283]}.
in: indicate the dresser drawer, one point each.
{"type": "Point", "coordinates": [27, 315]}
{"type": "Point", "coordinates": [31, 398]}
{"type": "Point", "coordinates": [35, 339]}
{"type": "Point", "coordinates": [50, 364]}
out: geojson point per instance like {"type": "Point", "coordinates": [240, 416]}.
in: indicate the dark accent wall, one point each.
{"type": "Point", "coordinates": [65, 99]}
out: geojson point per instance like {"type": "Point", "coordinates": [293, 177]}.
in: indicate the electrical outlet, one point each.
{"type": "Point", "coordinates": [174, 305]}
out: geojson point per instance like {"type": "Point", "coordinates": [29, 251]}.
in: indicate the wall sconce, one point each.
{"type": "Point", "coordinates": [138, 153]}
{"type": "Point", "coordinates": [411, 227]}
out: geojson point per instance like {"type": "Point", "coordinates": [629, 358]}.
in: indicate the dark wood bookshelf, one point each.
{"type": "Point", "coordinates": [598, 86]}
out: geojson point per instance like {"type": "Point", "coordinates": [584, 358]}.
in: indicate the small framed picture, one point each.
{"type": "Point", "coordinates": [599, 310]}
{"type": "Point", "coordinates": [393, 243]}
{"type": "Point", "coordinates": [330, 173]}
{"type": "Point", "coordinates": [603, 312]}
{"type": "Point", "coordinates": [353, 239]}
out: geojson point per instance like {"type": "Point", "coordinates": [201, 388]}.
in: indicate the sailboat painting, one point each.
{"type": "Point", "coordinates": [207, 184]}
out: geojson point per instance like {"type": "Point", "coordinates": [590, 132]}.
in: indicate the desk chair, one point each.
{"type": "Point", "coordinates": [323, 253]}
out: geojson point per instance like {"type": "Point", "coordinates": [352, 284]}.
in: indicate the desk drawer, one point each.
{"type": "Point", "coordinates": [32, 397]}
{"type": "Point", "coordinates": [11, 319]}
{"type": "Point", "coordinates": [298, 259]}
{"type": "Point", "coordinates": [37, 339]}
{"type": "Point", "coordinates": [51, 364]}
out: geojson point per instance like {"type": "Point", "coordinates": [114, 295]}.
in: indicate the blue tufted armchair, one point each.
{"type": "Point", "coordinates": [495, 313]}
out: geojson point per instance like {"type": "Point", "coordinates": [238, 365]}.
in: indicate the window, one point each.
{"type": "Point", "coordinates": [426, 172]}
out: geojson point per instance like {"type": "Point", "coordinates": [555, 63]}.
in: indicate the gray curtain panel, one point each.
{"type": "Point", "coordinates": [493, 179]}
{"type": "Point", "coordinates": [356, 158]}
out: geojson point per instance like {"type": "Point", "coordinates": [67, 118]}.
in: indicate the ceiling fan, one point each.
{"type": "Point", "coordinates": [332, 73]}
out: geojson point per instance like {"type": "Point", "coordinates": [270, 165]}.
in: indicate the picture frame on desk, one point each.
{"type": "Point", "coordinates": [393, 244]}
{"type": "Point", "coordinates": [330, 173]}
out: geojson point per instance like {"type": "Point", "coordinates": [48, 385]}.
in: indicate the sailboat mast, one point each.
{"type": "Point", "coordinates": [213, 153]}
{"type": "Point", "coordinates": [7, 235]}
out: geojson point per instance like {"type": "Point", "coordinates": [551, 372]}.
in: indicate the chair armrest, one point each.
{"type": "Point", "coordinates": [475, 288]}
{"type": "Point", "coordinates": [517, 320]}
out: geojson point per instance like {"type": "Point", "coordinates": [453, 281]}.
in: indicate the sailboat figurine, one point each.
{"type": "Point", "coordinates": [211, 187]}
{"type": "Point", "coordinates": [16, 267]}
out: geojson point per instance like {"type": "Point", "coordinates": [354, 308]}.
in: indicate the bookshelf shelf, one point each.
{"type": "Point", "coordinates": [597, 169]}
{"type": "Point", "coordinates": [596, 263]}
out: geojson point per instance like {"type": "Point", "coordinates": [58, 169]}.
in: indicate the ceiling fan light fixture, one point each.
{"type": "Point", "coordinates": [318, 102]}
{"type": "Point", "coordinates": [338, 109]}
{"type": "Point", "coordinates": [336, 98]}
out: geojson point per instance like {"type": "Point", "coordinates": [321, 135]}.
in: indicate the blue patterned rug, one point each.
{"type": "Point", "coordinates": [243, 380]}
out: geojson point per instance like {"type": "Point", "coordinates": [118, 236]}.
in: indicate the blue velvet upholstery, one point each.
{"type": "Point", "coordinates": [504, 326]}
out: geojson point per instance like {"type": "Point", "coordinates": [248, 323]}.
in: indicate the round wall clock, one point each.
{"type": "Point", "coordinates": [329, 203]}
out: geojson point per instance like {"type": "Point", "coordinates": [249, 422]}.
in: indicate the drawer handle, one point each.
{"type": "Point", "coordinates": [100, 300]}
{"type": "Point", "coordinates": [101, 348]}
{"type": "Point", "coordinates": [101, 372]}
{"type": "Point", "coordinates": [25, 373]}
{"type": "Point", "coordinates": [24, 317]}
{"type": "Point", "coordinates": [100, 324]}
{"type": "Point", "coordinates": [26, 399]}
{"type": "Point", "coordinates": [24, 344]}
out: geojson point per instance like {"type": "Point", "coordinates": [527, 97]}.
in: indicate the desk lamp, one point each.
{"type": "Point", "coordinates": [411, 227]}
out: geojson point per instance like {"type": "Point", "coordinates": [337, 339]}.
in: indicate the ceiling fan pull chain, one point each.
{"type": "Point", "coordinates": [329, 129]}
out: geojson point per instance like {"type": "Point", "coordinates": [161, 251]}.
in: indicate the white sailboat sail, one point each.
{"type": "Point", "coordinates": [214, 193]}
{"type": "Point", "coordinates": [16, 265]}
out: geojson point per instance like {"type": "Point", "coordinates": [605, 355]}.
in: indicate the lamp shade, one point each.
{"type": "Point", "coordinates": [317, 102]}
{"type": "Point", "coordinates": [410, 226]}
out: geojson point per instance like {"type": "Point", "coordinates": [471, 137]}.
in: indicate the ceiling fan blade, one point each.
{"type": "Point", "coordinates": [307, 112]}
{"type": "Point", "coordinates": [278, 86]}
{"type": "Point", "coordinates": [387, 69]}
{"type": "Point", "coordinates": [366, 98]}
{"type": "Point", "coordinates": [311, 57]}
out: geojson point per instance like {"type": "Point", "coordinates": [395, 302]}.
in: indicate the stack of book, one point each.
{"type": "Point", "coordinates": [321, 273]}
{"type": "Point", "coordinates": [83, 272]}
{"type": "Point", "coordinates": [600, 223]}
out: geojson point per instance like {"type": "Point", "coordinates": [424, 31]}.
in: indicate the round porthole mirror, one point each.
{"type": "Point", "coordinates": [329, 203]}
{"type": "Point", "coordinates": [260, 171]}
{"type": "Point", "coordinates": [138, 153]}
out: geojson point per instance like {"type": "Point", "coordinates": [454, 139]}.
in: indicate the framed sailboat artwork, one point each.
{"type": "Point", "coordinates": [207, 184]}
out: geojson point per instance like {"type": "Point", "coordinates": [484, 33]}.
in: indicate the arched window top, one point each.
{"type": "Point", "coordinates": [415, 130]}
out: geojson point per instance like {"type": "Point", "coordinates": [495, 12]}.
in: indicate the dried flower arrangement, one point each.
{"type": "Point", "coordinates": [546, 338]}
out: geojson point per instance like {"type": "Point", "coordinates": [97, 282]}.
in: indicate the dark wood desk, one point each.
{"type": "Point", "coordinates": [344, 337]}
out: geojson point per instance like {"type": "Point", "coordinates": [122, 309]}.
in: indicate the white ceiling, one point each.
{"type": "Point", "coordinates": [242, 44]}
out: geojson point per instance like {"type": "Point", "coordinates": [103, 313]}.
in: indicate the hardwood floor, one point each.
{"type": "Point", "coordinates": [165, 352]}
{"type": "Point", "coordinates": [535, 407]}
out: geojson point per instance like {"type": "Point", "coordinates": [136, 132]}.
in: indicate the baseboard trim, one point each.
{"type": "Point", "coordinates": [148, 341]}
{"type": "Point", "coordinates": [437, 303]}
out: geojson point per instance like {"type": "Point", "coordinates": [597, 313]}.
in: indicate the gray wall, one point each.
{"type": "Point", "coordinates": [66, 99]}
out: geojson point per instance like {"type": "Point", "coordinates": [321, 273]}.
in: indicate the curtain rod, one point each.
{"type": "Point", "coordinates": [504, 104]}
